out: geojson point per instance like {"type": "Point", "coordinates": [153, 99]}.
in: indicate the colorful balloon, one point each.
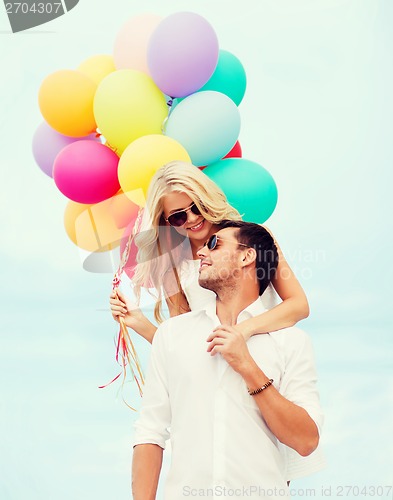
{"type": "Point", "coordinates": [249, 187]}
{"type": "Point", "coordinates": [131, 262]}
{"type": "Point", "coordinates": [92, 227]}
{"type": "Point", "coordinates": [207, 124]}
{"type": "Point", "coordinates": [228, 78]}
{"type": "Point", "coordinates": [47, 144]}
{"type": "Point", "coordinates": [122, 209]}
{"type": "Point", "coordinates": [128, 105]}
{"type": "Point", "coordinates": [142, 159]}
{"type": "Point", "coordinates": [66, 102]}
{"type": "Point", "coordinates": [182, 53]}
{"type": "Point", "coordinates": [130, 50]}
{"type": "Point", "coordinates": [235, 152]}
{"type": "Point", "coordinates": [86, 172]}
{"type": "Point", "coordinates": [129, 268]}
{"type": "Point", "coordinates": [97, 67]}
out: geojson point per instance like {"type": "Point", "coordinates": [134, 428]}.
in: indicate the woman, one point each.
{"type": "Point", "coordinates": [183, 209]}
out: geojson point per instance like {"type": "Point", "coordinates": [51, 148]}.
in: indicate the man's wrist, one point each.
{"type": "Point", "coordinates": [253, 376]}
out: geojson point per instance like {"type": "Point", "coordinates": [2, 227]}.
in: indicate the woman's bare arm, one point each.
{"type": "Point", "coordinates": [293, 308]}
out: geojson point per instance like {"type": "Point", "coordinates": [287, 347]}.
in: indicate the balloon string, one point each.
{"type": "Point", "coordinates": [126, 354]}
{"type": "Point", "coordinates": [113, 148]}
{"type": "Point", "coordinates": [170, 106]}
{"type": "Point", "coordinates": [109, 383]}
{"type": "Point", "coordinates": [94, 226]}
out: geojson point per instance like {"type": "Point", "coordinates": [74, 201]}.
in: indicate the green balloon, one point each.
{"type": "Point", "coordinates": [228, 78]}
{"type": "Point", "coordinates": [248, 186]}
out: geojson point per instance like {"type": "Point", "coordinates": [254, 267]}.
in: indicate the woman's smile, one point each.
{"type": "Point", "coordinates": [196, 227]}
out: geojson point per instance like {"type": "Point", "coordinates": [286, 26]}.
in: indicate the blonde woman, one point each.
{"type": "Point", "coordinates": [183, 209]}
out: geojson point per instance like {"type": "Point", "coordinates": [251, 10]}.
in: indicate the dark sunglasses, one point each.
{"type": "Point", "coordinates": [211, 243]}
{"type": "Point", "coordinates": [179, 218]}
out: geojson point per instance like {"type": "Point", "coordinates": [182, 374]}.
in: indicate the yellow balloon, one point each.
{"type": "Point", "coordinates": [97, 67]}
{"type": "Point", "coordinates": [141, 160]}
{"type": "Point", "coordinates": [66, 102]}
{"type": "Point", "coordinates": [92, 227]}
{"type": "Point", "coordinates": [128, 105]}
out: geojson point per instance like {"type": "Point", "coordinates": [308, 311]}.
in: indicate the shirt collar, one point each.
{"type": "Point", "coordinates": [250, 311]}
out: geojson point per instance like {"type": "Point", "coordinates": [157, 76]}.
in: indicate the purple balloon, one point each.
{"type": "Point", "coordinates": [47, 144]}
{"type": "Point", "coordinates": [182, 53]}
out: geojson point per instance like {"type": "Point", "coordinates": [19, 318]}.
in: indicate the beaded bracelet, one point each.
{"type": "Point", "coordinates": [260, 389]}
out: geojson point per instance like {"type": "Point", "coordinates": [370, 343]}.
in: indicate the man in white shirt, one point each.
{"type": "Point", "coordinates": [229, 404]}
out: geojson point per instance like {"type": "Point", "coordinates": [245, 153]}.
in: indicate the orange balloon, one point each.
{"type": "Point", "coordinates": [123, 210]}
{"type": "Point", "coordinates": [66, 102]}
{"type": "Point", "coordinates": [92, 227]}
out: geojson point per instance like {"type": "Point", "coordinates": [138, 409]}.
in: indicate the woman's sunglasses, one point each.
{"type": "Point", "coordinates": [211, 243]}
{"type": "Point", "coordinates": [179, 218]}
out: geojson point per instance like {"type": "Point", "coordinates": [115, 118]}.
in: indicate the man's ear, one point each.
{"type": "Point", "coordinates": [249, 256]}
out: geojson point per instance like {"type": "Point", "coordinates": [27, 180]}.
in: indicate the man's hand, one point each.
{"type": "Point", "coordinates": [230, 343]}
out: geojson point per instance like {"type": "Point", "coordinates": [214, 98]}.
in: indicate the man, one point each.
{"type": "Point", "coordinates": [229, 404]}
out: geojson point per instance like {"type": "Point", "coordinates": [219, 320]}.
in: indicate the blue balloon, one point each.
{"type": "Point", "coordinates": [207, 125]}
{"type": "Point", "coordinates": [248, 186]}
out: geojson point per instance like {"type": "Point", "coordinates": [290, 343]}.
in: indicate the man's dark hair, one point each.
{"type": "Point", "coordinates": [257, 237]}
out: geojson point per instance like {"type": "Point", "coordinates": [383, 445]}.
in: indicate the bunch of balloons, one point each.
{"type": "Point", "coordinates": [167, 93]}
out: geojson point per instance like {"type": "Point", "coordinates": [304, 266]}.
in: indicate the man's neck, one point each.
{"type": "Point", "coordinates": [230, 303]}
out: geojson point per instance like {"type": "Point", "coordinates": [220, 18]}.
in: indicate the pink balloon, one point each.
{"type": "Point", "coordinates": [132, 40]}
{"type": "Point", "coordinates": [182, 53]}
{"type": "Point", "coordinates": [47, 144]}
{"type": "Point", "coordinates": [131, 263]}
{"type": "Point", "coordinates": [86, 172]}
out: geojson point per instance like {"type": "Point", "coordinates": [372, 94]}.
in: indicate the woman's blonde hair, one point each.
{"type": "Point", "coordinates": [161, 248]}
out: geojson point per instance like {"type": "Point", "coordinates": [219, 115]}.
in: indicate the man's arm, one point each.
{"type": "Point", "coordinates": [290, 423]}
{"type": "Point", "coordinates": [146, 467]}
{"type": "Point", "coordinates": [151, 428]}
{"type": "Point", "coordinates": [285, 414]}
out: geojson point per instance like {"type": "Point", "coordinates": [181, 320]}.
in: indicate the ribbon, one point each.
{"type": "Point", "coordinates": [126, 355]}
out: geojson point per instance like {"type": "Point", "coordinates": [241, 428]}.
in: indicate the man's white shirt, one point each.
{"type": "Point", "coordinates": [219, 439]}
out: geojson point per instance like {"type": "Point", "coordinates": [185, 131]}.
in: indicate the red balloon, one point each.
{"type": "Point", "coordinates": [235, 152]}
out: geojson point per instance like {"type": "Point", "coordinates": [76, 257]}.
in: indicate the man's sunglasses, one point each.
{"type": "Point", "coordinates": [211, 243]}
{"type": "Point", "coordinates": [179, 218]}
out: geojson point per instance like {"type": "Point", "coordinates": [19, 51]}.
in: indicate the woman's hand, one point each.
{"type": "Point", "coordinates": [121, 307]}
{"type": "Point", "coordinates": [243, 328]}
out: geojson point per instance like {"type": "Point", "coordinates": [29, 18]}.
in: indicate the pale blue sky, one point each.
{"type": "Point", "coordinates": [317, 114]}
